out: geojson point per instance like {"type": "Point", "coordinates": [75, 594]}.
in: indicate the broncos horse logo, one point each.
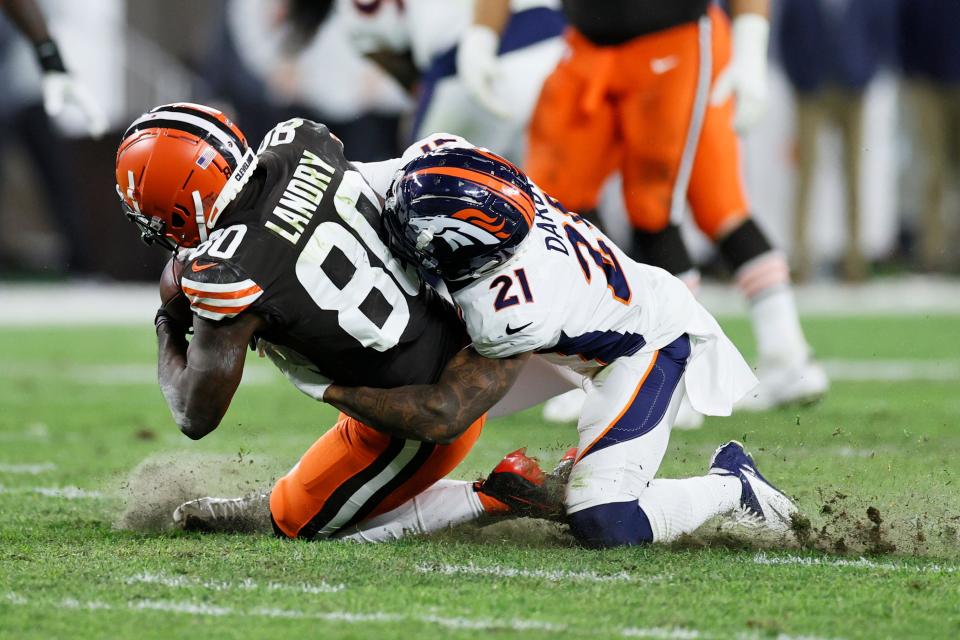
{"type": "Point", "coordinates": [464, 228]}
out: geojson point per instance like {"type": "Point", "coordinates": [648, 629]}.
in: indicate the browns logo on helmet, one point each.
{"type": "Point", "coordinates": [178, 166]}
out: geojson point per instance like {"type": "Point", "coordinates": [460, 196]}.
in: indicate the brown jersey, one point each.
{"type": "Point", "coordinates": [303, 246]}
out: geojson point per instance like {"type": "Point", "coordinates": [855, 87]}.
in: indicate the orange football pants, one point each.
{"type": "Point", "coordinates": [643, 108]}
{"type": "Point", "coordinates": [354, 472]}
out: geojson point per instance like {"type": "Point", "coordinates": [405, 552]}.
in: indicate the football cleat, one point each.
{"type": "Point", "coordinates": [519, 482]}
{"type": "Point", "coordinates": [222, 514]}
{"type": "Point", "coordinates": [784, 386]}
{"type": "Point", "coordinates": [761, 503]}
{"type": "Point", "coordinates": [561, 472]}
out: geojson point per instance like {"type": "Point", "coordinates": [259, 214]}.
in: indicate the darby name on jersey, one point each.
{"type": "Point", "coordinates": [301, 197]}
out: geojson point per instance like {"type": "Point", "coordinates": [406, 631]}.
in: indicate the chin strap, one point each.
{"type": "Point", "coordinates": [230, 190]}
{"type": "Point", "coordinates": [201, 223]}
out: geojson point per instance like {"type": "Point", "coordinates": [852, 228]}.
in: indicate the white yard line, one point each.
{"type": "Point", "coordinates": [891, 370]}
{"type": "Point", "coordinates": [553, 575]}
{"type": "Point", "coordinates": [247, 584]}
{"type": "Point", "coordinates": [193, 608]}
{"type": "Point", "coordinates": [36, 431]}
{"type": "Point", "coordinates": [859, 563]}
{"type": "Point", "coordinates": [683, 633]}
{"type": "Point", "coordinates": [189, 607]}
{"type": "Point", "coordinates": [662, 633]}
{"type": "Point", "coordinates": [255, 373]}
{"type": "Point", "coordinates": [67, 493]}
{"type": "Point", "coordinates": [27, 469]}
{"type": "Point", "coordinates": [72, 305]}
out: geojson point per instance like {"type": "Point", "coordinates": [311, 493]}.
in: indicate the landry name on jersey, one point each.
{"type": "Point", "coordinates": [303, 246]}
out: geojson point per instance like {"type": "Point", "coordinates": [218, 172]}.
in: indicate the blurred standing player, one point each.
{"type": "Point", "coordinates": [647, 90]}
{"type": "Point", "coordinates": [473, 82]}
{"type": "Point", "coordinates": [22, 115]}
{"type": "Point", "coordinates": [59, 87]}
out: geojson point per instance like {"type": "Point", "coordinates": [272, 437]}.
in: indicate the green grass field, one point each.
{"type": "Point", "coordinates": [79, 412]}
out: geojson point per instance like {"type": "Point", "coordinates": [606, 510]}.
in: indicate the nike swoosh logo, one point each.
{"type": "Point", "coordinates": [196, 267]}
{"type": "Point", "coordinates": [659, 66]}
{"type": "Point", "coordinates": [511, 330]}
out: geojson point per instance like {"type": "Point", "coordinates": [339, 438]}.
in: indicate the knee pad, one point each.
{"type": "Point", "coordinates": [616, 524]}
{"type": "Point", "coordinates": [745, 243]}
{"type": "Point", "coordinates": [664, 249]}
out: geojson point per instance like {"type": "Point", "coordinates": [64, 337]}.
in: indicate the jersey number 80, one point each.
{"type": "Point", "coordinates": [335, 269]}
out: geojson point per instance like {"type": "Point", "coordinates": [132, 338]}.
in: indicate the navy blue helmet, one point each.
{"type": "Point", "coordinates": [458, 213]}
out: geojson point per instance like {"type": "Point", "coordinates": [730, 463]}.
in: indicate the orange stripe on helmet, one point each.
{"type": "Point", "coordinates": [517, 197]}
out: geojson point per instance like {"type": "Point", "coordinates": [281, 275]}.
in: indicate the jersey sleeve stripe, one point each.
{"type": "Point", "coordinates": [245, 301]}
{"type": "Point", "coordinates": [222, 295]}
{"type": "Point", "coordinates": [213, 287]}
{"type": "Point", "coordinates": [200, 307]}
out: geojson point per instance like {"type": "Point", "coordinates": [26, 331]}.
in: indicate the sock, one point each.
{"type": "Point", "coordinates": [765, 281]}
{"type": "Point", "coordinates": [675, 507]}
{"type": "Point", "coordinates": [445, 504]}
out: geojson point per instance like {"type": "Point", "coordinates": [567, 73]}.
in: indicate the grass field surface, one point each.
{"type": "Point", "coordinates": [90, 462]}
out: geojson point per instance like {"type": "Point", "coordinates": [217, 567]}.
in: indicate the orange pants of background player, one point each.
{"type": "Point", "coordinates": [643, 107]}
{"type": "Point", "coordinates": [354, 472]}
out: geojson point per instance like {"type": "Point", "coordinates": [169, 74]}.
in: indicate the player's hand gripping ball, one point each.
{"type": "Point", "coordinates": [173, 302]}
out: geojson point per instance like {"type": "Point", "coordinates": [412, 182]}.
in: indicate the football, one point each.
{"type": "Point", "coordinates": [172, 297]}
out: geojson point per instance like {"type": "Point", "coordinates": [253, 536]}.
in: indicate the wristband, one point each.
{"type": "Point", "coordinates": [48, 55]}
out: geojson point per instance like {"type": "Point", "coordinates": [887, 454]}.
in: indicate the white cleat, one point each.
{"type": "Point", "coordinates": [565, 407]}
{"type": "Point", "coordinates": [782, 386]}
{"type": "Point", "coordinates": [762, 505]}
{"type": "Point", "coordinates": [221, 514]}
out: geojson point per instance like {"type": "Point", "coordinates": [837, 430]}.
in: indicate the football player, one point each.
{"type": "Point", "coordinates": [60, 88]}
{"type": "Point", "coordinates": [648, 90]}
{"type": "Point", "coordinates": [528, 276]}
{"type": "Point", "coordinates": [479, 65]}
{"type": "Point", "coordinates": [285, 246]}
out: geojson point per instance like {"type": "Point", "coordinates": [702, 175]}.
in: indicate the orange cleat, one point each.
{"type": "Point", "coordinates": [517, 483]}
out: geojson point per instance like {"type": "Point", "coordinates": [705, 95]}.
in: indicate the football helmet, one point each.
{"type": "Point", "coordinates": [178, 166]}
{"type": "Point", "coordinates": [458, 213]}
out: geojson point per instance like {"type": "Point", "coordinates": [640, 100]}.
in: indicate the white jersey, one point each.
{"type": "Point", "coordinates": [572, 296]}
{"type": "Point", "coordinates": [426, 28]}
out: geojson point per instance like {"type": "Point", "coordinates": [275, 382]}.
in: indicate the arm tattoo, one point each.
{"type": "Point", "coordinates": [439, 412]}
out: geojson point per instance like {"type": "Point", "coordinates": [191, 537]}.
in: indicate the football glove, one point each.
{"type": "Point", "coordinates": [60, 89]}
{"type": "Point", "coordinates": [477, 66]}
{"type": "Point", "coordinates": [746, 75]}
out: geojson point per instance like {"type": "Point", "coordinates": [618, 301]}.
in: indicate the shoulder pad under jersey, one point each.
{"type": "Point", "coordinates": [217, 289]}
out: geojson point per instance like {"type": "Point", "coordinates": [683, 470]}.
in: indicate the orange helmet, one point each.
{"type": "Point", "coordinates": [178, 166]}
